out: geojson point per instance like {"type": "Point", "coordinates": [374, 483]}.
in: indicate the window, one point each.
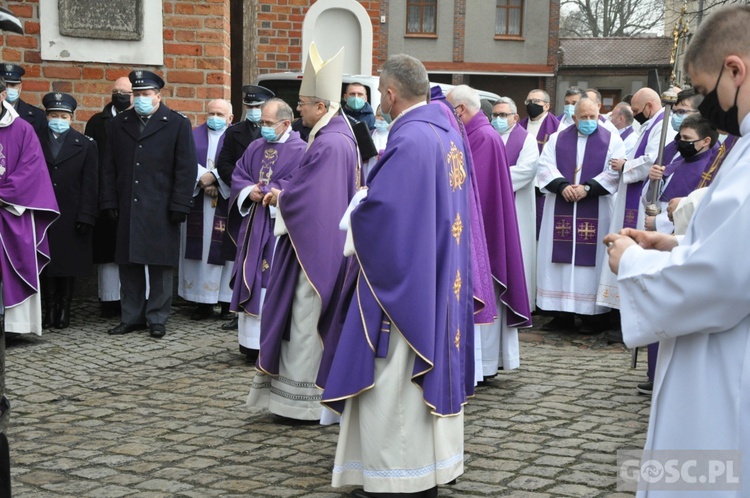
{"type": "Point", "coordinates": [508, 18]}
{"type": "Point", "coordinates": [421, 17]}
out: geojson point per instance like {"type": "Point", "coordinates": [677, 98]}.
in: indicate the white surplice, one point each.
{"type": "Point", "coordinates": [199, 281]}
{"type": "Point", "coordinates": [635, 170]}
{"type": "Point", "coordinates": [630, 140]}
{"type": "Point", "coordinates": [694, 300]}
{"type": "Point", "coordinates": [567, 287]}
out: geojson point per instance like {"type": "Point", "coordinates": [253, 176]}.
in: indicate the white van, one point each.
{"type": "Point", "coordinates": [286, 87]}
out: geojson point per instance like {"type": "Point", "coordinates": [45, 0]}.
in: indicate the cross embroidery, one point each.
{"type": "Point", "coordinates": [563, 228]}
{"type": "Point", "coordinates": [586, 231]}
{"type": "Point", "coordinates": [220, 226]}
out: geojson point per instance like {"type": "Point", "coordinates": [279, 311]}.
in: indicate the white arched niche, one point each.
{"type": "Point", "coordinates": [332, 24]}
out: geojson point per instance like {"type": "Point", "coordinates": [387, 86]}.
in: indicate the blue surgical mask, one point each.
{"type": "Point", "coordinates": [143, 105]}
{"type": "Point", "coordinates": [381, 125]}
{"type": "Point", "coordinates": [269, 133]}
{"type": "Point", "coordinates": [216, 123]}
{"type": "Point", "coordinates": [355, 103]}
{"type": "Point", "coordinates": [253, 115]}
{"type": "Point", "coordinates": [58, 125]}
{"type": "Point", "coordinates": [569, 110]}
{"type": "Point", "coordinates": [12, 94]}
{"type": "Point", "coordinates": [500, 124]}
{"type": "Point", "coordinates": [587, 126]}
{"type": "Point", "coordinates": [677, 121]}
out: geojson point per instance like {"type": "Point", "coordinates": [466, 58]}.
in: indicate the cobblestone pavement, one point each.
{"type": "Point", "coordinates": [102, 416]}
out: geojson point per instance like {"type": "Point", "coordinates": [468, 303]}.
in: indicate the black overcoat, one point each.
{"type": "Point", "coordinates": [236, 140]}
{"type": "Point", "coordinates": [32, 115]}
{"type": "Point", "coordinates": [146, 175]}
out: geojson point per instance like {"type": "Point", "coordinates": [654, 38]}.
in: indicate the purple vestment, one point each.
{"type": "Point", "coordinates": [485, 307]}
{"type": "Point", "coordinates": [634, 190]}
{"type": "Point", "coordinates": [514, 145]}
{"type": "Point", "coordinates": [267, 165]}
{"type": "Point", "coordinates": [549, 126]}
{"type": "Point", "coordinates": [685, 174]}
{"type": "Point", "coordinates": [500, 221]}
{"type": "Point", "coordinates": [717, 159]}
{"type": "Point", "coordinates": [24, 182]}
{"type": "Point", "coordinates": [586, 227]}
{"type": "Point", "coordinates": [628, 131]}
{"type": "Point", "coordinates": [312, 204]}
{"type": "Point", "coordinates": [194, 224]}
{"type": "Point", "coordinates": [414, 252]}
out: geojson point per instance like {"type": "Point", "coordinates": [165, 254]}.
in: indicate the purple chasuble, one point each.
{"type": "Point", "coordinates": [415, 258]}
{"type": "Point", "coordinates": [717, 159]}
{"type": "Point", "coordinates": [24, 182]}
{"type": "Point", "coordinates": [514, 145]}
{"type": "Point", "coordinates": [634, 190]}
{"type": "Point", "coordinates": [628, 131]}
{"type": "Point", "coordinates": [268, 165]}
{"type": "Point", "coordinates": [194, 225]}
{"type": "Point", "coordinates": [585, 224]}
{"type": "Point", "coordinates": [485, 306]}
{"type": "Point", "coordinates": [549, 126]}
{"type": "Point", "coordinates": [312, 204]}
{"type": "Point", "coordinates": [685, 174]}
{"type": "Point", "coordinates": [500, 220]}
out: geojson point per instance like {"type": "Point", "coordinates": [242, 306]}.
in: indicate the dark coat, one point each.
{"type": "Point", "coordinates": [32, 115]}
{"type": "Point", "coordinates": [236, 140]}
{"type": "Point", "coordinates": [146, 176]}
{"type": "Point", "coordinates": [104, 239]}
{"type": "Point", "coordinates": [74, 174]}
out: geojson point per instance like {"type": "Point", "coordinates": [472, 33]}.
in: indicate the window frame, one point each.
{"type": "Point", "coordinates": [508, 9]}
{"type": "Point", "coordinates": [421, 4]}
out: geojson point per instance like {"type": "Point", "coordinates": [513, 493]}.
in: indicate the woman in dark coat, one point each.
{"type": "Point", "coordinates": [72, 159]}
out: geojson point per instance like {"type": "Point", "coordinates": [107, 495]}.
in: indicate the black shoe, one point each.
{"type": "Point", "coordinates": [224, 313]}
{"type": "Point", "coordinates": [158, 330]}
{"type": "Point", "coordinates": [560, 322]}
{"type": "Point", "coordinates": [232, 324]}
{"type": "Point", "coordinates": [645, 388]}
{"type": "Point", "coordinates": [250, 354]}
{"type": "Point", "coordinates": [202, 311]}
{"type": "Point", "coordinates": [109, 309]}
{"type": "Point", "coordinates": [124, 328]}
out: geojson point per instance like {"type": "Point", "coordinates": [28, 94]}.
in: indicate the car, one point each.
{"type": "Point", "coordinates": [286, 87]}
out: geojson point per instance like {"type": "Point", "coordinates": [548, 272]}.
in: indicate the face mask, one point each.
{"type": "Point", "coordinates": [500, 124]}
{"type": "Point", "coordinates": [269, 133]}
{"type": "Point", "coordinates": [381, 125]}
{"type": "Point", "coordinates": [386, 115]}
{"type": "Point", "coordinates": [120, 101]}
{"type": "Point", "coordinates": [58, 125]}
{"type": "Point", "coordinates": [640, 117]}
{"type": "Point", "coordinates": [143, 105]}
{"type": "Point", "coordinates": [710, 108]}
{"type": "Point", "coordinates": [355, 103]}
{"type": "Point", "coordinates": [686, 149]}
{"type": "Point", "coordinates": [253, 115]}
{"type": "Point", "coordinates": [569, 110]}
{"type": "Point", "coordinates": [534, 110]}
{"type": "Point", "coordinates": [677, 121]}
{"type": "Point", "coordinates": [12, 94]}
{"type": "Point", "coordinates": [587, 126]}
{"type": "Point", "coordinates": [216, 123]}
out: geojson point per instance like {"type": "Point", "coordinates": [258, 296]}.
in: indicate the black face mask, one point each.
{"type": "Point", "coordinates": [686, 149]}
{"type": "Point", "coordinates": [710, 109]}
{"type": "Point", "coordinates": [640, 117]}
{"type": "Point", "coordinates": [534, 110]}
{"type": "Point", "coordinates": [120, 101]}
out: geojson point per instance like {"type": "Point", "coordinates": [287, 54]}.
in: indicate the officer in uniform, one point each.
{"type": "Point", "coordinates": [149, 172]}
{"type": "Point", "coordinates": [32, 115]}
{"type": "Point", "coordinates": [236, 140]}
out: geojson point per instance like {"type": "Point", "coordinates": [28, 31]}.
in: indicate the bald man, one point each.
{"type": "Point", "coordinates": [628, 211]}
{"type": "Point", "coordinates": [104, 236]}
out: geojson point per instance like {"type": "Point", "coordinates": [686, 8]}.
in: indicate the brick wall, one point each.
{"type": "Point", "coordinates": [280, 34]}
{"type": "Point", "coordinates": [196, 60]}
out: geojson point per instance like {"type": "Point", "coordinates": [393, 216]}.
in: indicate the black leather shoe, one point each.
{"type": "Point", "coordinates": [559, 323]}
{"type": "Point", "coordinates": [158, 330]}
{"type": "Point", "coordinates": [202, 311]}
{"type": "Point", "coordinates": [231, 325]}
{"type": "Point", "coordinates": [224, 313]}
{"type": "Point", "coordinates": [124, 328]}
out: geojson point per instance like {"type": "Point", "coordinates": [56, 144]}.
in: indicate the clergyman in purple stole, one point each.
{"type": "Point", "coordinates": [265, 165]}
{"type": "Point", "coordinates": [634, 190]}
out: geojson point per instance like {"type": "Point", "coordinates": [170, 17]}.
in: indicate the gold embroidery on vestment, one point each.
{"type": "Point", "coordinates": [457, 339]}
{"type": "Point", "coordinates": [586, 230]}
{"type": "Point", "coordinates": [455, 161]}
{"type": "Point", "coordinates": [458, 227]}
{"type": "Point", "coordinates": [457, 285]}
{"type": "Point", "coordinates": [563, 228]}
{"type": "Point", "coordinates": [270, 157]}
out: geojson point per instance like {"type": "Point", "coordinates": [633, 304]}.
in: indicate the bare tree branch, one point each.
{"type": "Point", "coordinates": [602, 18]}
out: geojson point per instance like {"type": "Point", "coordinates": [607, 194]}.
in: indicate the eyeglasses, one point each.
{"type": "Point", "coordinates": [535, 101]}
{"type": "Point", "coordinates": [271, 125]}
{"type": "Point", "coordinates": [503, 114]}
{"type": "Point", "coordinates": [300, 103]}
{"type": "Point", "coordinates": [123, 93]}
{"type": "Point", "coordinates": [683, 112]}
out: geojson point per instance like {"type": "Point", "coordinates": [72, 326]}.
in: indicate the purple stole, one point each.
{"type": "Point", "coordinates": [685, 174]}
{"type": "Point", "coordinates": [513, 146]}
{"type": "Point", "coordinates": [628, 131]}
{"type": "Point", "coordinates": [634, 190]}
{"type": "Point", "coordinates": [717, 159]}
{"type": "Point", "coordinates": [549, 126]}
{"type": "Point", "coordinates": [586, 227]}
{"type": "Point", "coordinates": [194, 225]}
